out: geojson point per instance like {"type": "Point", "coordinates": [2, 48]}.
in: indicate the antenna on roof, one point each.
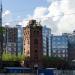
{"type": "Point", "coordinates": [1, 5]}
{"type": "Point", "coordinates": [1, 13]}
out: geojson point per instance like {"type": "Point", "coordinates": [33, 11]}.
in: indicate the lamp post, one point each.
{"type": "Point", "coordinates": [36, 68]}
{"type": "Point", "coordinates": [73, 63]}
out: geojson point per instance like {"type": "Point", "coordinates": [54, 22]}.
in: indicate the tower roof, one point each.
{"type": "Point", "coordinates": [33, 23]}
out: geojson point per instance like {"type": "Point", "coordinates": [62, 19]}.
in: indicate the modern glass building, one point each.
{"type": "Point", "coordinates": [20, 39]}
{"type": "Point", "coordinates": [46, 35]}
{"type": "Point", "coordinates": [71, 45]}
{"type": "Point", "coordinates": [10, 40]}
{"type": "Point", "coordinates": [60, 46]}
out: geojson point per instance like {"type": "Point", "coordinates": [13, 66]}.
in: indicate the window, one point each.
{"type": "Point", "coordinates": [59, 55]}
{"type": "Point", "coordinates": [35, 34]}
{"type": "Point", "coordinates": [54, 51]}
{"type": "Point", "coordinates": [44, 53]}
{"type": "Point", "coordinates": [63, 51]}
{"type": "Point", "coordinates": [9, 49]}
{"type": "Point", "coordinates": [63, 55]}
{"type": "Point", "coordinates": [59, 43]}
{"type": "Point", "coordinates": [28, 42]}
{"type": "Point", "coordinates": [66, 51]}
{"type": "Point", "coordinates": [36, 57]}
{"type": "Point", "coordinates": [35, 51]}
{"type": "Point", "coordinates": [28, 32]}
{"type": "Point", "coordinates": [59, 51]}
{"type": "Point", "coordinates": [24, 49]}
{"type": "Point", "coordinates": [55, 55]}
{"type": "Point", "coordinates": [36, 41]}
{"type": "Point", "coordinates": [28, 52]}
{"type": "Point", "coordinates": [66, 55]}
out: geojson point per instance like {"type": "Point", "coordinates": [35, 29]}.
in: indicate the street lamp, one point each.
{"type": "Point", "coordinates": [73, 63]}
{"type": "Point", "coordinates": [36, 68]}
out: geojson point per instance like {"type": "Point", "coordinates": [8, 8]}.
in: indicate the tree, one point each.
{"type": "Point", "coordinates": [20, 57]}
{"type": "Point", "coordinates": [55, 62]}
{"type": "Point", "coordinates": [12, 57]}
{"type": "Point", "coordinates": [27, 61]}
{"type": "Point", "coordinates": [6, 57]}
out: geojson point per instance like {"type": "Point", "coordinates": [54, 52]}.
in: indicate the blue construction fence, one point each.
{"type": "Point", "coordinates": [29, 71]}
{"type": "Point", "coordinates": [40, 71]}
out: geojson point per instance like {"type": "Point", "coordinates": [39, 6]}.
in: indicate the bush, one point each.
{"type": "Point", "coordinates": [55, 62]}
{"type": "Point", "coordinates": [12, 57]}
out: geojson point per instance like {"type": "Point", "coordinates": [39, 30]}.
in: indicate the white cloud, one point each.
{"type": "Point", "coordinates": [23, 22]}
{"type": "Point", "coordinates": [7, 17]}
{"type": "Point", "coordinates": [58, 15]}
{"type": "Point", "coordinates": [67, 22]}
{"type": "Point", "coordinates": [47, 15]}
{"type": "Point", "coordinates": [61, 15]}
{"type": "Point", "coordinates": [7, 12]}
{"type": "Point", "coordinates": [7, 23]}
{"type": "Point", "coordinates": [39, 12]}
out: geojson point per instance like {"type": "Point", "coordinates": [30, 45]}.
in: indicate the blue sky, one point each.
{"type": "Point", "coordinates": [22, 7]}
{"type": "Point", "coordinates": [55, 14]}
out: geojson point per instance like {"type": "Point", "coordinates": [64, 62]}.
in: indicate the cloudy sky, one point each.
{"type": "Point", "coordinates": [59, 15]}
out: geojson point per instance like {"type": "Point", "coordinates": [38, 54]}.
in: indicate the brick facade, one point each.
{"type": "Point", "coordinates": [32, 43]}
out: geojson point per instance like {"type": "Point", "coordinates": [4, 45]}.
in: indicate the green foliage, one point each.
{"type": "Point", "coordinates": [27, 58]}
{"type": "Point", "coordinates": [20, 57]}
{"type": "Point", "coordinates": [1, 29]}
{"type": "Point", "coordinates": [53, 62]}
{"type": "Point", "coordinates": [6, 57]}
{"type": "Point", "coordinates": [12, 57]}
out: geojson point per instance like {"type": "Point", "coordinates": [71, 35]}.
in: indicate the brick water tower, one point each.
{"type": "Point", "coordinates": [32, 43]}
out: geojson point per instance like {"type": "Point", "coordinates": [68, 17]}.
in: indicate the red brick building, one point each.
{"type": "Point", "coordinates": [32, 42]}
